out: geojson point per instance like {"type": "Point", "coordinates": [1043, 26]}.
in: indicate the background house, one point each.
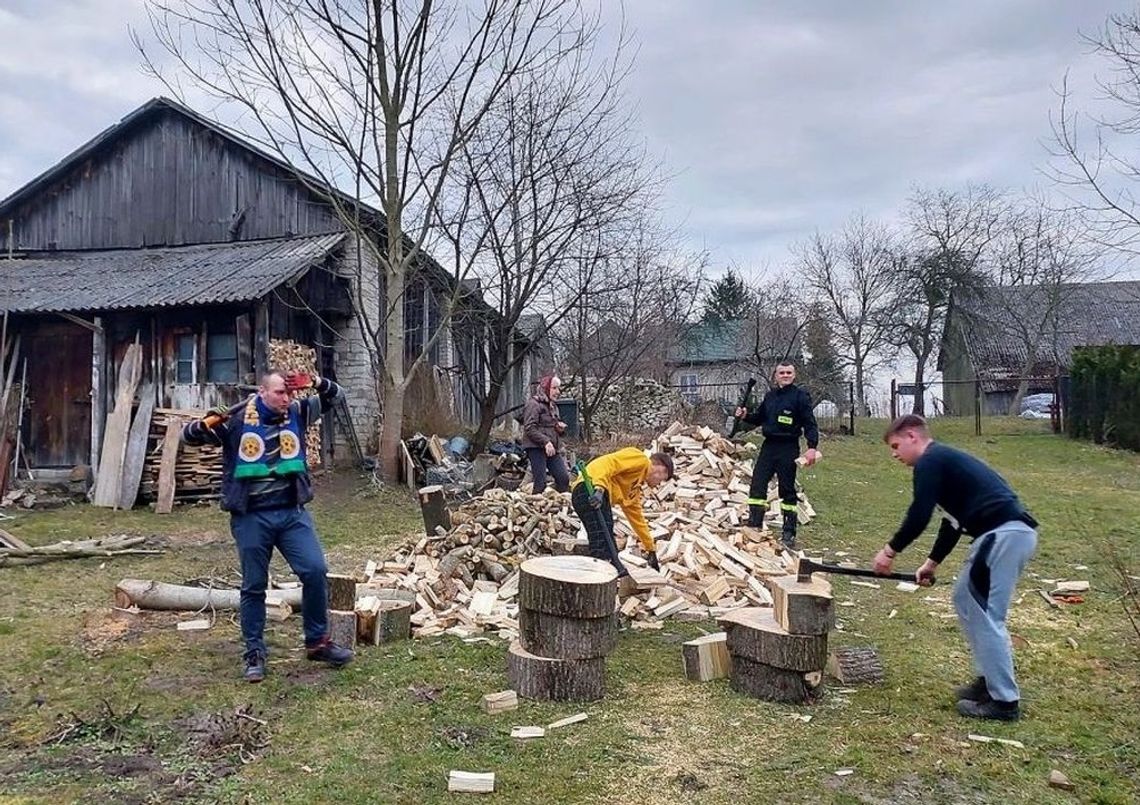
{"type": "Point", "coordinates": [711, 361]}
{"type": "Point", "coordinates": [988, 334]}
{"type": "Point", "coordinates": [168, 229]}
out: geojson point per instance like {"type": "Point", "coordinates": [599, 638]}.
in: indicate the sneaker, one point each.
{"type": "Point", "coordinates": [254, 666]}
{"type": "Point", "coordinates": [991, 709]}
{"type": "Point", "coordinates": [328, 652]}
{"type": "Point", "coordinates": [976, 691]}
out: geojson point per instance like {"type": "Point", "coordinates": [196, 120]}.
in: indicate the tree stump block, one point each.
{"type": "Point", "coordinates": [775, 684]}
{"type": "Point", "coordinates": [570, 586]}
{"type": "Point", "coordinates": [802, 607]}
{"type": "Point", "coordinates": [855, 665]}
{"type": "Point", "coordinates": [566, 638]}
{"type": "Point", "coordinates": [753, 634]}
{"type": "Point", "coordinates": [706, 658]}
{"type": "Point", "coordinates": [342, 628]}
{"type": "Point", "coordinates": [558, 680]}
{"type": "Point", "coordinates": [342, 592]}
{"type": "Point", "coordinates": [434, 509]}
{"type": "Point", "coordinates": [393, 622]}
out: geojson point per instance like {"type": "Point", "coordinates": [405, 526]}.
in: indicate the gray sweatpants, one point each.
{"type": "Point", "coordinates": [982, 596]}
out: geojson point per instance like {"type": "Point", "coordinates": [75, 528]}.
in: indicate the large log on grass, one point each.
{"type": "Point", "coordinates": [146, 594]}
{"type": "Point", "coordinates": [567, 638]}
{"type": "Point", "coordinates": [549, 679]}
{"type": "Point", "coordinates": [570, 586]}
{"type": "Point", "coordinates": [754, 635]}
{"type": "Point", "coordinates": [775, 684]}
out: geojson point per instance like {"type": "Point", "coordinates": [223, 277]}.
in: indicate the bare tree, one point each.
{"type": "Point", "coordinates": [626, 326]}
{"type": "Point", "coordinates": [950, 232]}
{"type": "Point", "coordinates": [1042, 259]}
{"type": "Point", "coordinates": [1099, 174]}
{"type": "Point", "coordinates": [378, 97]}
{"type": "Point", "coordinates": [854, 277]}
{"type": "Point", "coordinates": [551, 175]}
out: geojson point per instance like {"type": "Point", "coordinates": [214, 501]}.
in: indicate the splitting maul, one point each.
{"type": "Point", "coordinates": [805, 567]}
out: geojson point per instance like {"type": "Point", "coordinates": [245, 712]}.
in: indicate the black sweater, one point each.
{"type": "Point", "coordinates": [974, 497]}
{"type": "Point", "coordinates": [784, 413]}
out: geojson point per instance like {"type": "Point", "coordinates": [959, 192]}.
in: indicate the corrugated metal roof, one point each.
{"type": "Point", "coordinates": [1091, 314]}
{"type": "Point", "coordinates": [157, 277]}
{"type": "Point", "coordinates": [732, 341]}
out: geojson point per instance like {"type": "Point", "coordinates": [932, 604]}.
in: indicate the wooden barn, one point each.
{"type": "Point", "coordinates": [168, 230]}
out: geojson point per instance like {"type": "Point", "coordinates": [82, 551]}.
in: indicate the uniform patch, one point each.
{"type": "Point", "coordinates": [252, 447]}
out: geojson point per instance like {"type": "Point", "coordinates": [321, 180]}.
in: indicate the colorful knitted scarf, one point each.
{"type": "Point", "coordinates": [251, 448]}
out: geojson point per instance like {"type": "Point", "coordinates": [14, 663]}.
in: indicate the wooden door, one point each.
{"type": "Point", "coordinates": [57, 421]}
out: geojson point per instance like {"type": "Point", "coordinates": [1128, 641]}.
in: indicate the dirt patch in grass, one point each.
{"type": "Point", "coordinates": [190, 539]}
{"type": "Point", "coordinates": [103, 628]}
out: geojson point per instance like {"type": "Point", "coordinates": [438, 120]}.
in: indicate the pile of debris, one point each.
{"type": "Point", "coordinates": [465, 580]}
{"type": "Point", "coordinates": [635, 404]}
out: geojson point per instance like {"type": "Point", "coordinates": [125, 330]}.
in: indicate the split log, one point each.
{"type": "Point", "coordinates": [855, 665]}
{"type": "Point", "coordinates": [802, 607]}
{"type": "Point", "coordinates": [557, 680]}
{"type": "Point", "coordinates": [753, 634]}
{"type": "Point", "coordinates": [500, 702]}
{"type": "Point", "coordinates": [342, 592]}
{"type": "Point", "coordinates": [471, 782]}
{"type": "Point", "coordinates": [706, 658]}
{"type": "Point", "coordinates": [566, 638]}
{"type": "Point", "coordinates": [774, 684]}
{"type": "Point", "coordinates": [342, 628]}
{"type": "Point", "coordinates": [157, 595]}
{"type": "Point", "coordinates": [453, 561]}
{"type": "Point", "coordinates": [572, 586]}
{"type": "Point", "coordinates": [434, 509]}
{"type": "Point", "coordinates": [392, 622]}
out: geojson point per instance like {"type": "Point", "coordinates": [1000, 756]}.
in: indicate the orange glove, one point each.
{"type": "Point", "coordinates": [298, 381]}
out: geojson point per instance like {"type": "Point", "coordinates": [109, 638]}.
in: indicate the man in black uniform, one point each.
{"type": "Point", "coordinates": [782, 415]}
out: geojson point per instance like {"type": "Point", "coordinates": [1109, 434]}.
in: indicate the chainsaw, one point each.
{"type": "Point", "coordinates": [732, 424]}
{"type": "Point", "coordinates": [805, 567]}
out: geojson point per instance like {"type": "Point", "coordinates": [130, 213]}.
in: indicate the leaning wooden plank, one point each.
{"type": "Point", "coordinates": [470, 782]}
{"type": "Point", "coordinates": [171, 441]}
{"type": "Point", "coordinates": [146, 594]}
{"type": "Point", "coordinates": [136, 449]}
{"type": "Point", "coordinates": [107, 483]}
{"type": "Point", "coordinates": [12, 541]}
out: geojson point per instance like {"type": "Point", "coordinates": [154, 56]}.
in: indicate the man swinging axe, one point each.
{"type": "Point", "coordinates": [978, 501]}
{"type": "Point", "coordinates": [783, 414]}
{"type": "Point", "coordinates": [618, 477]}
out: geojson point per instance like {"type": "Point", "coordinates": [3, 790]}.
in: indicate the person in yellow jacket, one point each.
{"type": "Point", "coordinates": [618, 478]}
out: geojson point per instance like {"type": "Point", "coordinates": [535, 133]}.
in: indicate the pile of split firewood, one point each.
{"type": "Point", "coordinates": [465, 580]}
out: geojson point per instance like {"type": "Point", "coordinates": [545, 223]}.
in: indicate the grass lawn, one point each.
{"type": "Point", "coordinates": [97, 706]}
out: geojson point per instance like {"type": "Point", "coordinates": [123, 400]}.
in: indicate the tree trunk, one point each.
{"type": "Point", "coordinates": [919, 406]}
{"type": "Point", "coordinates": [860, 390]}
{"type": "Point", "coordinates": [157, 595]}
{"type": "Point", "coordinates": [1023, 384]}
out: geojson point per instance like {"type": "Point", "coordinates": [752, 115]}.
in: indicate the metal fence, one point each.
{"type": "Point", "coordinates": [713, 403]}
{"type": "Point", "coordinates": [1042, 399]}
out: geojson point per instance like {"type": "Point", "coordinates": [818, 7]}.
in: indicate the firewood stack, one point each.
{"type": "Point", "coordinates": [779, 654]}
{"type": "Point", "coordinates": [465, 580]}
{"type": "Point", "coordinates": [567, 626]}
{"type": "Point", "coordinates": [198, 471]}
{"type": "Point", "coordinates": [638, 404]}
{"type": "Point", "coordinates": [289, 355]}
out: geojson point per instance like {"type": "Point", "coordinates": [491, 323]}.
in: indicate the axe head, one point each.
{"type": "Point", "coordinates": [804, 568]}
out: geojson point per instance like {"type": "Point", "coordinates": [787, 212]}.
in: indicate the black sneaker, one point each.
{"type": "Point", "coordinates": [328, 652]}
{"type": "Point", "coordinates": [254, 666]}
{"type": "Point", "coordinates": [976, 691]}
{"type": "Point", "coordinates": [991, 709]}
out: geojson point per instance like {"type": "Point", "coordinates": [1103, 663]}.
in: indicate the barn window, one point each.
{"type": "Point", "coordinates": [689, 388]}
{"type": "Point", "coordinates": [186, 360]}
{"type": "Point", "coordinates": [221, 358]}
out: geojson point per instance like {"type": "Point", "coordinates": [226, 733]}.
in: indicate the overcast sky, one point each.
{"type": "Point", "coordinates": [773, 118]}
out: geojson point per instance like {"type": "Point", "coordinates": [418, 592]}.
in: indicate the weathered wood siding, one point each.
{"type": "Point", "coordinates": [169, 182]}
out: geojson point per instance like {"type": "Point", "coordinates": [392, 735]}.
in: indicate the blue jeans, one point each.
{"type": "Point", "coordinates": [291, 532]}
{"type": "Point", "coordinates": [981, 597]}
{"type": "Point", "coordinates": [540, 463]}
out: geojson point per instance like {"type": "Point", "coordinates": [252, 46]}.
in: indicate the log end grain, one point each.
{"type": "Point", "coordinates": [571, 586]}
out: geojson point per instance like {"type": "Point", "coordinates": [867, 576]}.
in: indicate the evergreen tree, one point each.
{"type": "Point", "coordinates": [822, 373]}
{"type": "Point", "coordinates": [729, 299]}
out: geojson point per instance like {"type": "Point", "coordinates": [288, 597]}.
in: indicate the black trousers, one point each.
{"type": "Point", "coordinates": [777, 457]}
{"type": "Point", "coordinates": [540, 463]}
{"type": "Point", "coordinates": [599, 525]}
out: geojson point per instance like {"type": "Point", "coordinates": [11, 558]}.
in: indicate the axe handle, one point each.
{"type": "Point", "coordinates": [858, 571]}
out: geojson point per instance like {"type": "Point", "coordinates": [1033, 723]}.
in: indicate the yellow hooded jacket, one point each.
{"type": "Point", "coordinates": [622, 474]}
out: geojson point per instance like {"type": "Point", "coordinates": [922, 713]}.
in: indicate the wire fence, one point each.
{"type": "Point", "coordinates": [718, 401]}
{"type": "Point", "coordinates": [987, 399]}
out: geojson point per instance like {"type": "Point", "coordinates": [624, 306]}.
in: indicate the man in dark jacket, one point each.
{"type": "Point", "coordinates": [265, 486]}
{"type": "Point", "coordinates": [975, 500]}
{"type": "Point", "coordinates": [783, 414]}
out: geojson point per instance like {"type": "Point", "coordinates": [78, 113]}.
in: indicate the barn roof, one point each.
{"type": "Point", "coordinates": [118, 279]}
